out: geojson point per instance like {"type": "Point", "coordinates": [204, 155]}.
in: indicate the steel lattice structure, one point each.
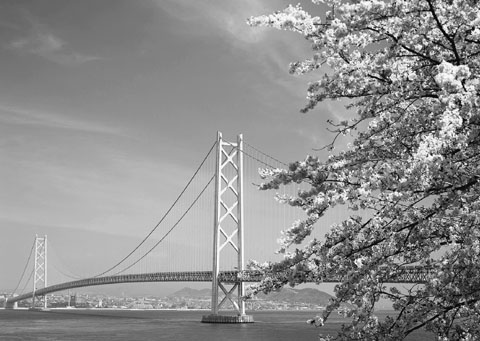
{"type": "Point", "coordinates": [228, 210]}
{"type": "Point", "coordinates": [40, 270]}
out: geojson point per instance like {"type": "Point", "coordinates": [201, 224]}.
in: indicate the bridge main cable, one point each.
{"type": "Point", "coordinates": [263, 153]}
{"type": "Point", "coordinates": [255, 158]}
{"type": "Point", "coordinates": [25, 268]}
{"type": "Point", "coordinates": [171, 229]}
{"type": "Point", "coordinates": [164, 216]}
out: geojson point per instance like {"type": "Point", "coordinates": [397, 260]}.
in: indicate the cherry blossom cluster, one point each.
{"type": "Point", "coordinates": [410, 71]}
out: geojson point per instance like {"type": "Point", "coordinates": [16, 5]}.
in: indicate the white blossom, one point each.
{"type": "Point", "coordinates": [410, 73]}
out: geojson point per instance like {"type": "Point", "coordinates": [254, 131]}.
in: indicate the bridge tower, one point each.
{"type": "Point", "coordinates": [40, 270]}
{"type": "Point", "coordinates": [228, 229]}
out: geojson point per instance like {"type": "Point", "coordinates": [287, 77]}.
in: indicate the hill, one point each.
{"type": "Point", "coordinates": [191, 293]}
{"type": "Point", "coordinates": [286, 295]}
{"type": "Point", "coordinates": [298, 296]}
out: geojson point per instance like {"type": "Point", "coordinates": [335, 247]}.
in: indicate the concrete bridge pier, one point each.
{"type": "Point", "coordinates": [214, 318]}
{"type": "Point", "coordinates": [11, 305]}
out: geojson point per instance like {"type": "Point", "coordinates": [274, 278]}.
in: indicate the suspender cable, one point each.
{"type": "Point", "coordinates": [25, 268]}
{"type": "Point", "coordinates": [164, 216]}
{"type": "Point", "coordinates": [28, 280]}
{"type": "Point", "coordinates": [171, 229]}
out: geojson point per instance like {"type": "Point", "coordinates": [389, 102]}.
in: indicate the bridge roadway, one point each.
{"type": "Point", "coordinates": [405, 274]}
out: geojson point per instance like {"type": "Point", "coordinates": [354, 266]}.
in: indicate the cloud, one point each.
{"type": "Point", "coordinates": [227, 18]}
{"type": "Point", "coordinates": [271, 50]}
{"type": "Point", "coordinates": [89, 185]}
{"type": "Point", "coordinates": [22, 116]}
{"type": "Point", "coordinates": [45, 44]}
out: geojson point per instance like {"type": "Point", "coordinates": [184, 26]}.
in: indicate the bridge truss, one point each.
{"type": "Point", "coordinates": [405, 274]}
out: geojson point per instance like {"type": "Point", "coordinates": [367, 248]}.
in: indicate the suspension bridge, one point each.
{"type": "Point", "coordinates": [204, 236]}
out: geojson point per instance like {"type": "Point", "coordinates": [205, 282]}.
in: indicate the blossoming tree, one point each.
{"type": "Point", "coordinates": [409, 71]}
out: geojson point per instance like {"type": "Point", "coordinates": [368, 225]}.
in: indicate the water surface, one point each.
{"type": "Point", "coordinates": [143, 325]}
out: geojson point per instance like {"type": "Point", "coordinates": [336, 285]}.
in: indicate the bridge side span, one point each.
{"type": "Point", "coordinates": [198, 276]}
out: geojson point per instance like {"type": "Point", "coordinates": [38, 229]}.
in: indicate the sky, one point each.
{"type": "Point", "coordinates": [106, 108]}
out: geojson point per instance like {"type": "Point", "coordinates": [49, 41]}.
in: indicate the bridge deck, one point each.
{"type": "Point", "coordinates": [407, 274]}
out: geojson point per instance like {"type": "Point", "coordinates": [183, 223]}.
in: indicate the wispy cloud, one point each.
{"type": "Point", "coordinates": [263, 46]}
{"type": "Point", "coordinates": [98, 187]}
{"type": "Point", "coordinates": [43, 42]}
{"type": "Point", "coordinates": [227, 18]}
{"type": "Point", "coordinates": [22, 116]}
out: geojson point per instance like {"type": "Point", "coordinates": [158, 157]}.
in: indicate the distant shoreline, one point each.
{"type": "Point", "coordinates": [179, 310]}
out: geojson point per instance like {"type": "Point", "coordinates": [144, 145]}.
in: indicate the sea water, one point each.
{"type": "Point", "coordinates": [133, 325]}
